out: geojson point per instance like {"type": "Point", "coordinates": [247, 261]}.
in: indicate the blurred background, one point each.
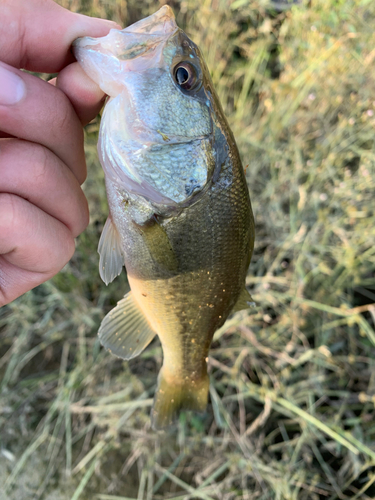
{"type": "Point", "coordinates": [291, 410]}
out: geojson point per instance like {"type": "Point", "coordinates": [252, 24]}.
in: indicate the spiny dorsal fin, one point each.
{"type": "Point", "coordinates": [125, 331]}
{"type": "Point", "coordinates": [111, 258]}
{"type": "Point", "coordinates": [244, 301]}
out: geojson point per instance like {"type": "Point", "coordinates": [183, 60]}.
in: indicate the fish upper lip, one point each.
{"type": "Point", "coordinates": [98, 43]}
{"type": "Point", "coordinates": [159, 35]}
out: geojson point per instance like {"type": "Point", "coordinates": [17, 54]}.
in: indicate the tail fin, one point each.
{"type": "Point", "coordinates": [171, 398]}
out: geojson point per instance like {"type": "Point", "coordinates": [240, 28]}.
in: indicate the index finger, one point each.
{"type": "Point", "coordinates": [37, 35]}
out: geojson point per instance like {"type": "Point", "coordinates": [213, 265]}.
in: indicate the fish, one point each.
{"type": "Point", "coordinates": [180, 217]}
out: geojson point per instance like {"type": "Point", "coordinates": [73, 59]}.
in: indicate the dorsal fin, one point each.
{"type": "Point", "coordinates": [109, 248]}
{"type": "Point", "coordinates": [125, 331]}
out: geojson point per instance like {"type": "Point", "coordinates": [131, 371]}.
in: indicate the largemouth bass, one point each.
{"type": "Point", "coordinates": [180, 214]}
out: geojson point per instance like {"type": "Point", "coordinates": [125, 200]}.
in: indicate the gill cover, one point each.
{"type": "Point", "coordinates": [156, 135]}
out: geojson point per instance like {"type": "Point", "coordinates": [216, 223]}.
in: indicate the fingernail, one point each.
{"type": "Point", "coordinates": [12, 87]}
{"type": "Point", "coordinates": [111, 24]}
{"type": "Point", "coordinates": [97, 22]}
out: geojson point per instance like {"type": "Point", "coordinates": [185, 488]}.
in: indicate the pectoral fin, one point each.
{"type": "Point", "coordinates": [159, 246]}
{"type": "Point", "coordinates": [111, 258]}
{"type": "Point", "coordinates": [244, 301]}
{"type": "Point", "coordinates": [125, 331]}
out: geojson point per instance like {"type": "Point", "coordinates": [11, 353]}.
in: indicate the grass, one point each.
{"type": "Point", "coordinates": [291, 412]}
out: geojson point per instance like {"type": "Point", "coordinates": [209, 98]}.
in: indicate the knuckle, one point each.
{"type": "Point", "coordinates": [5, 295]}
{"type": "Point", "coordinates": [3, 298]}
{"type": "Point", "coordinates": [71, 249]}
{"type": "Point", "coordinates": [9, 213]}
{"type": "Point", "coordinates": [40, 160]}
{"type": "Point", "coordinates": [34, 158]}
{"type": "Point", "coordinates": [67, 253]}
{"type": "Point", "coordinates": [84, 217]}
{"type": "Point", "coordinates": [59, 247]}
{"type": "Point", "coordinates": [65, 118]}
{"type": "Point", "coordinates": [57, 252]}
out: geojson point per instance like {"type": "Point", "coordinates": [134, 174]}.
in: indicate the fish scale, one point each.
{"type": "Point", "coordinates": [186, 247]}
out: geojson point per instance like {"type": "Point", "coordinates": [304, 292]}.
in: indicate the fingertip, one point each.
{"type": "Point", "coordinates": [37, 36]}
{"type": "Point", "coordinates": [101, 26]}
{"type": "Point", "coordinates": [84, 218]}
{"type": "Point", "coordinates": [82, 25]}
{"type": "Point", "coordinates": [84, 94]}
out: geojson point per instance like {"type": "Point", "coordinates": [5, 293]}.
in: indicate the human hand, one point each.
{"type": "Point", "coordinates": [42, 160]}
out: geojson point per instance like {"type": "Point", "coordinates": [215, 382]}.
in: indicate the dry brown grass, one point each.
{"type": "Point", "coordinates": [291, 413]}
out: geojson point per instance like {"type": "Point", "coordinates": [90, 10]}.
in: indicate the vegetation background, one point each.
{"type": "Point", "coordinates": [291, 412]}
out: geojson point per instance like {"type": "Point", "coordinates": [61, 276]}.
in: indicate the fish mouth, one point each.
{"type": "Point", "coordinates": [161, 22]}
{"type": "Point", "coordinates": [108, 59]}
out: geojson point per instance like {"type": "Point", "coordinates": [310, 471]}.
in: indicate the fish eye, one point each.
{"type": "Point", "coordinates": [185, 75]}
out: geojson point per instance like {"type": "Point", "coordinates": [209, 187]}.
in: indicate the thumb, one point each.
{"type": "Point", "coordinates": [36, 35]}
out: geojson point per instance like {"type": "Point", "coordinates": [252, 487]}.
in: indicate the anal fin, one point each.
{"type": "Point", "coordinates": [244, 301]}
{"type": "Point", "coordinates": [111, 258]}
{"type": "Point", "coordinates": [125, 331]}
